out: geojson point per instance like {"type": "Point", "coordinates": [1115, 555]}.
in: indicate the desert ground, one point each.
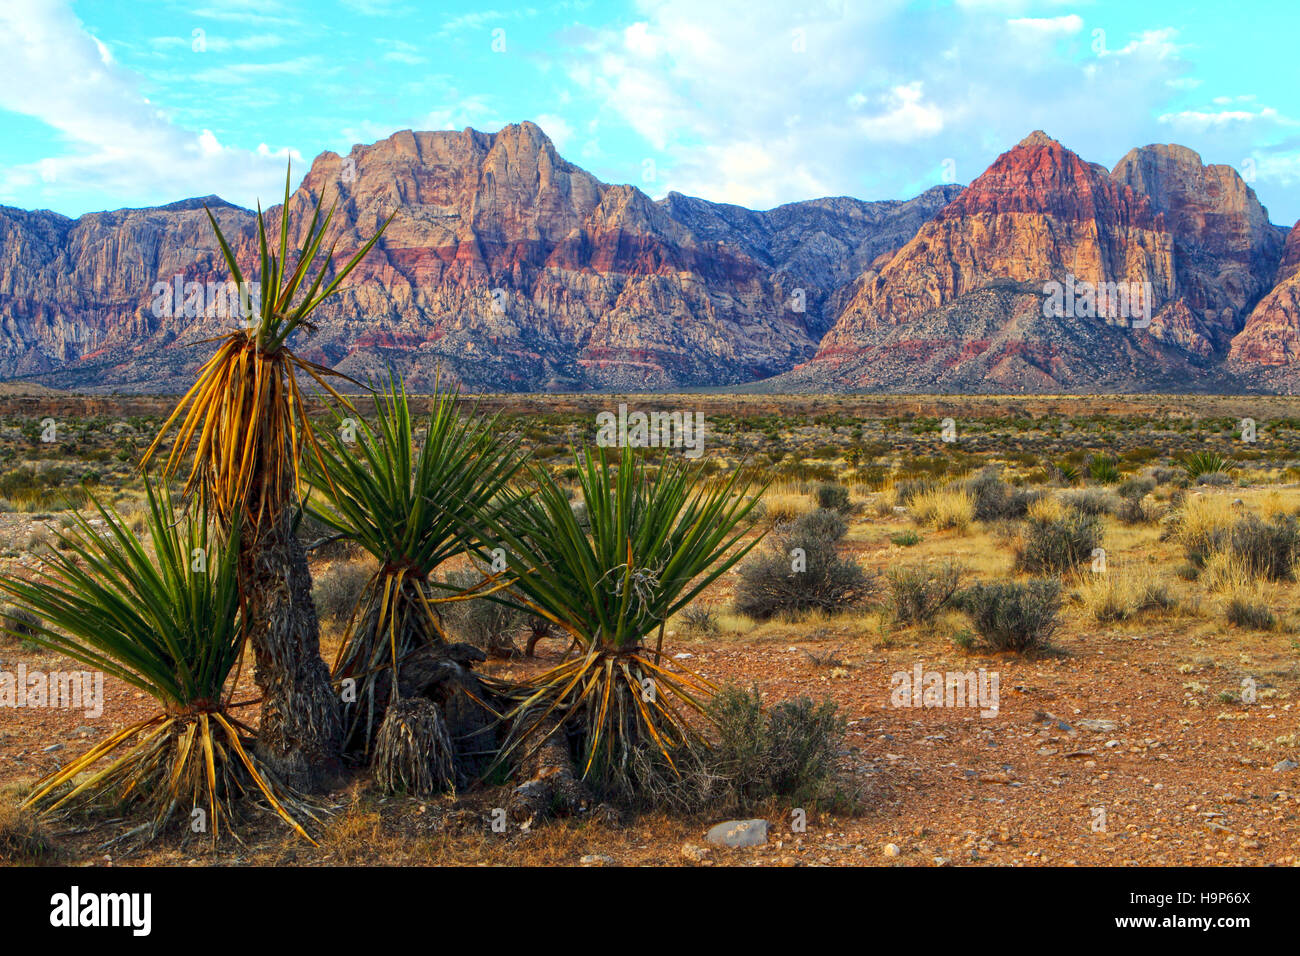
{"type": "Point", "coordinates": [1156, 724]}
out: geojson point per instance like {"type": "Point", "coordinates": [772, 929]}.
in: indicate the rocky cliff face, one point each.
{"type": "Point", "coordinates": [79, 292]}
{"type": "Point", "coordinates": [1268, 347]}
{"type": "Point", "coordinates": [508, 268]}
{"type": "Point", "coordinates": [817, 248]}
{"type": "Point", "coordinates": [505, 266]}
{"type": "Point", "coordinates": [964, 305]}
{"type": "Point", "coordinates": [1225, 249]}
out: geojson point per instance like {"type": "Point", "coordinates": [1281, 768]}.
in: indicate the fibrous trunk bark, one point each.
{"type": "Point", "coordinates": [301, 731]}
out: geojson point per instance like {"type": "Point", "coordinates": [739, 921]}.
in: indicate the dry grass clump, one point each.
{"type": "Point", "coordinates": [783, 507]}
{"type": "Point", "coordinates": [944, 508]}
{"type": "Point", "coordinates": [1121, 593]}
{"type": "Point", "coordinates": [23, 839]}
{"type": "Point", "coordinates": [1202, 526]}
{"type": "Point", "coordinates": [1243, 596]}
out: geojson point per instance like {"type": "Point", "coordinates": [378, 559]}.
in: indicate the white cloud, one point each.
{"type": "Point", "coordinates": [1048, 26]}
{"type": "Point", "coordinates": [906, 118]}
{"type": "Point", "coordinates": [119, 144]}
{"type": "Point", "coordinates": [761, 102]}
{"type": "Point", "coordinates": [557, 128]}
{"type": "Point", "coordinates": [1202, 120]}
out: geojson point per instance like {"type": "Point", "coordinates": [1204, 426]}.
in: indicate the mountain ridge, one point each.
{"type": "Point", "coordinates": [510, 268]}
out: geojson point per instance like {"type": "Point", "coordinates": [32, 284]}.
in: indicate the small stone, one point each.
{"type": "Point", "coordinates": [891, 849]}
{"type": "Point", "coordinates": [738, 833]}
{"type": "Point", "coordinates": [695, 853]}
{"type": "Point", "coordinates": [1098, 726]}
{"type": "Point", "coordinates": [596, 859]}
{"type": "Point", "coordinates": [1284, 765]}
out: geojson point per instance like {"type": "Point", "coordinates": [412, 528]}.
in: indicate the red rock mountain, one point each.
{"type": "Point", "coordinates": [511, 269]}
{"type": "Point", "coordinates": [961, 306]}
{"type": "Point", "coordinates": [505, 265]}
{"type": "Point", "coordinates": [1267, 351]}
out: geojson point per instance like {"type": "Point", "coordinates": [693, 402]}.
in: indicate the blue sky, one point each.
{"type": "Point", "coordinates": [111, 103]}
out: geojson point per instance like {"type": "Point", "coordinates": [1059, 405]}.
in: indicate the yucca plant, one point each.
{"type": "Point", "coordinates": [1198, 463]}
{"type": "Point", "coordinates": [246, 426]}
{"type": "Point", "coordinates": [409, 509]}
{"type": "Point", "coordinates": [1104, 469]}
{"type": "Point", "coordinates": [168, 624]}
{"type": "Point", "coordinates": [653, 538]}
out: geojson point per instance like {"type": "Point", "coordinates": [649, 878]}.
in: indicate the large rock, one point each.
{"type": "Point", "coordinates": [738, 833]}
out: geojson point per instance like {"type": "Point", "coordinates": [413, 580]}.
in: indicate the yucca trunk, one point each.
{"type": "Point", "coordinates": [301, 731]}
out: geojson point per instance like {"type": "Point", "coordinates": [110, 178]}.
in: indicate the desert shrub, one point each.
{"type": "Point", "coordinates": [1155, 596]}
{"type": "Point", "coordinates": [906, 490]}
{"type": "Point", "coordinates": [1091, 501]}
{"type": "Point", "coordinates": [1064, 472]}
{"type": "Point", "coordinates": [1243, 609]}
{"type": "Point", "coordinates": [1057, 540]}
{"type": "Point", "coordinates": [944, 508]}
{"type": "Point", "coordinates": [802, 571]}
{"type": "Point", "coordinates": [21, 624]}
{"type": "Point", "coordinates": [485, 623]}
{"type": "Point", "coordinates": [907, 539]}
{"type": "Point", "coordinates": [1165, 476]}
{"type": "Point", "coordinates": [872, 477]}
{"type": "Point", "coordinates": [822, 524]}
{"type": "Point", "coordinates": [833, 497]}
{"type": "Point", "coordinates": [1266, 549]}
{"type": "Point", "coordinates": [323, 541]}
{"type": "Point", "coordinates": [1132, 507]}
{"type": "Point", "coordinates": [1136, 488]}
{"type": "Point", "coordinates": [788, 750]}
{"type": "Point", "coordinates": [1215, 479]}
{"type": "Point", "coordinates": [996, 500]}
{"type": "Point", "coordinates": [1107, 597]}
{"type": "Point", "coordinates": [337, 590]}
{"type": "Point", "coordinates": [1224, 573]}
{"type": "Point", "coordinates": [882, 505]}
{"type": "Point", "coordinates": [920, 592]}
{"type": "Point", "coordinates": [1014, 615]}
{"type": "Point", "coordinates": [1208, 525]}
{"type": "Point", "coordinates": [700, 619]}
